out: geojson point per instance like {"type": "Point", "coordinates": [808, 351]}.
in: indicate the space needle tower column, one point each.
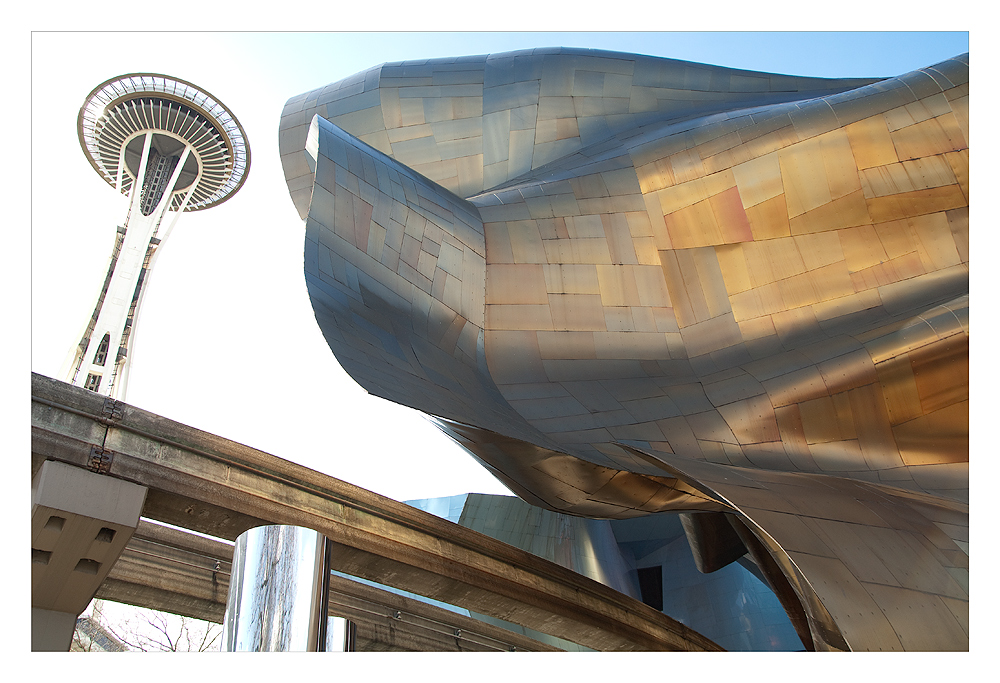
{"type": "Point", "coordinates": [171, 147]}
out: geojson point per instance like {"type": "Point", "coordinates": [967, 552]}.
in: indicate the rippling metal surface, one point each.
{"type": "Point", "coordinates": [586, 265]}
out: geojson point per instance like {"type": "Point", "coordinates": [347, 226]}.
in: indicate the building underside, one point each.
{"type": "Point", "coordinates": [630, 285]}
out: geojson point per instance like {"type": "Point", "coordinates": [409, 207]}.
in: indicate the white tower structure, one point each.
{"type": "Point", "coordinates": [169, 146]}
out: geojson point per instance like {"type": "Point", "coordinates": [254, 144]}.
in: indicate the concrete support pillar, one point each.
{"type": "Point", "coordinates": [80, 523]}
{"type": "Point", "coordinates": [278, 593]}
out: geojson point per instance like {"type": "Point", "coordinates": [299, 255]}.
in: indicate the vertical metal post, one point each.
{"type": "Point", "coordinates": [278, 591]}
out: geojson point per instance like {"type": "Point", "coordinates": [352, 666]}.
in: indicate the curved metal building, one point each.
{"type": "Point", "coordinates": [630, 285]}
{"type": "Point", "coordinates": [169, 146]}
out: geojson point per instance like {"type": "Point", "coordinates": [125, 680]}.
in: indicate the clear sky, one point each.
{"type": "Point", "coordinates": [227, 341]}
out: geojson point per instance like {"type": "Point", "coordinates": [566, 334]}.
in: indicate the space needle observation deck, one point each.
{"type": "Point", "coordinates": [169, 146]}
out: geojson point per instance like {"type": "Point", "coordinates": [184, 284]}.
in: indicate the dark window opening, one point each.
{"type": "Point", "coordinates": [102, 350]}
{"type": "Point", "coordinates": [651, 586]}
{"type": "Point", "coordinates": [93, 382]}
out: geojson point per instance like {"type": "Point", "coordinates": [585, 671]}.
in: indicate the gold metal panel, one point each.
{"type": "Point", "coordinates": [872, 423]}
{"type": "Point", "coordinates": [620, 243]}
{"type": "Point", "coordinates": [695, 285]}
{"type": "Point", "coordinates": [933, 136]}
{"type": "Point", "coordinates": [571, 278]}
{"type": "Point", "coordinates": [899, 388]}
{"type": "Point", "coordinates": [915, 112]}
{"type": "Point", "coordinates": [795, 387]}
{"type": "Point", "coordinates": [915, 174]}
{"type": "Point", "coordinates": [732, 219]}
{"type": "Point", "coordinates": [694, 226]}
{"type": "Point", "coordinates": [771, 260]}
{"type": "Point", "coordinates": [525, 242]}
{"type": "Point", "coordinates": [518, 317]}
{"type": "Point", "coordinates": [711, 335]}
{"type": "Point", "coordinates": [685, 194]}
{"type": "Point", "coordinates": [733, 265]}
{"type": "Point", "coordinates": [935, 243]}
{"type": "Point", "coordinates": [617, 285]}
{"type": "Point", "coordinates": [860, 620]}
{"type": "Point", "coordinates": [515, 284]}
{"type": "Point", "coordinates": [759, 179]}
{"type": "Point", "coordinates": [909, 204]}
{"type": "Point", "coordinates": [959, 162]}
{"type": "Point", "coordinates": [576, 312]}
{"type": "Point", "coordinates": [803, 176]}
{"type": "Point", "coordinates": [935, 438]}
{"type": "Point", "coordinates": [655, 175]}
{"type": "Point", "coordinates": [751, 420]}
{"type": "Point", "coordinates": [828, 418]}
{"type": "Point", "coordinates": [871, 142]}
{"type": "Point", "coordinates": [652, 288]}
{"type": "Point", "coordinates": [568, 345]}
{"type": "Point", "coordinates": [920, 620]}
{"type": "Point", "coordinates": [513, 357]}
{"type": "Point", "coordinates": [941, 371]}
{"type": "Point", "coordinates": [769, 219]}
{"type": "Point", "coordinates": [958, 221]}
{"type": "Point", "coordinates": [862, 248]}
{"type": "Point", "coordinates": [848, 211]}
{"type": "Point", "coordinates": [630, 344]}
{"type": "Point", "coordinates": [584, 227]}
{"type": "Point", "coordinates": [589, 251]}
{"type": "Point", "coordinates": [839, 457]}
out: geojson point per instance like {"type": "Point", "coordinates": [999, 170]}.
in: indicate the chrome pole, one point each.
{"type": "Point", "coordinates": [278, 591]}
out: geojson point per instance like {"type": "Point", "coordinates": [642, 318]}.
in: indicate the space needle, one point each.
{"type": "Point", "coordinates": [170, 147]}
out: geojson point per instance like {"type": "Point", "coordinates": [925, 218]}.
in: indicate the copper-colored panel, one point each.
{"type": "Point", "coordinates": [730, 216]}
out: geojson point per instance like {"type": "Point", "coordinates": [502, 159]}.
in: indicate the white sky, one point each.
{"type": "Point", "coordinates": [227, 341]}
